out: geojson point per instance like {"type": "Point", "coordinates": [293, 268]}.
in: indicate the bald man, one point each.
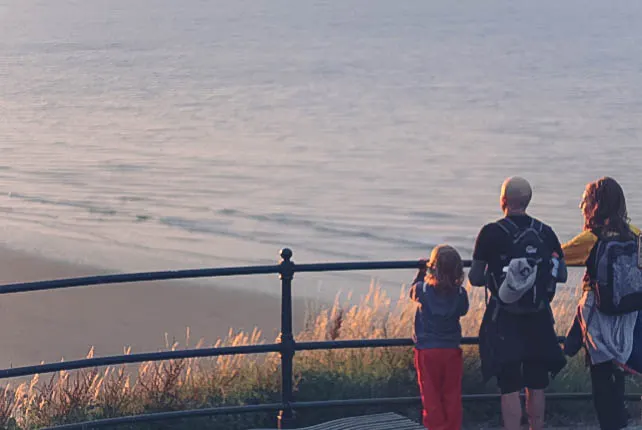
{"type": "Point", "coordinates": [519, 260]}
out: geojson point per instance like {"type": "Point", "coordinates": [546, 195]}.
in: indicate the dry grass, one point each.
{"type": "Point", "coordinates": [231, 380]}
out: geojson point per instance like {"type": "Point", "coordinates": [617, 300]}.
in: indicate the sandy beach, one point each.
{"type": "Point", "coordinates": [50, 325]}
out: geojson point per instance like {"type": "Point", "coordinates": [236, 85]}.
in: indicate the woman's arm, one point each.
{"type": "Point", "coordinates": [578, 249]}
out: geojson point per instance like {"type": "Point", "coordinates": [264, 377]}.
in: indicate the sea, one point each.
{"type": "Point", "coordinates": [141, 135]}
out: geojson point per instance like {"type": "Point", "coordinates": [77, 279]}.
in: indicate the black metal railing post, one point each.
{"type": "Point", "coordinates": [286, 270]}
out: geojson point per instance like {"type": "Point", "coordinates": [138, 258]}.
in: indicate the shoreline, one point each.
{"type": "Point", "coordinates": [51, 325]}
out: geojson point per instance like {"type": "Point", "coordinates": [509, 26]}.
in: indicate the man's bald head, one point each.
{"type": "Point", "coordinates": [516, 194]}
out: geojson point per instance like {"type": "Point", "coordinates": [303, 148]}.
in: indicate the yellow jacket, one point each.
{"type": "Point", "coordinates": [578, 249]}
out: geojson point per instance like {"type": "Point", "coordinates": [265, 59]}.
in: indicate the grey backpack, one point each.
{"type": "Point", "coordinates": [618, 275]}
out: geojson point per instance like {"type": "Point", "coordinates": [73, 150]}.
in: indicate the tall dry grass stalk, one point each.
{"type": "Point", "coordinates": [195, 383]}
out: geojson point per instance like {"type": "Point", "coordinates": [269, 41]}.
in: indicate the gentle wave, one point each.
{"type": "Point", "coordinates": [219, 228]}
{"type": "Point", "coordinates": [333, 229]}
{"type": "Point", "coordinates": [378, 135]}
{"type": "Point", "coordinates": [90, 207]}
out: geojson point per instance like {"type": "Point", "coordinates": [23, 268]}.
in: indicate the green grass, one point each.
{"type": "Point", "coordinates": [319, 375]}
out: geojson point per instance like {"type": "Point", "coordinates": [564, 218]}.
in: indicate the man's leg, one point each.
{"type": "Point", "coordinates": [535, 408]}
{"type": "Point", "coordinates": [512, 411]}
{"type": "Point", "coordinates": [536, 380]}
{"type": "Point", "coordinates": [510, 384]}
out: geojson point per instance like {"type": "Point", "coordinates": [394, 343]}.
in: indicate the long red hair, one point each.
{"type": "Point", "coordinates": [604, 207]}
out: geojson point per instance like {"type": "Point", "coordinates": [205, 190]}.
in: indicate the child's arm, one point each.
{"type": "Point", "coordinates": [416, 291]}
{"type": "Point", "coordinates": [412, 293]}
{"type": "Point", "coordinates": [421, 273]}
{"type": "Point", "coordinates": [464, 304]}
{"type": "Point", "coordinates": [419, 279]}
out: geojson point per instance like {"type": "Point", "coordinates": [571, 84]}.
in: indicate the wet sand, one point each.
{"type": "Point", "coordinates": [49, 325]}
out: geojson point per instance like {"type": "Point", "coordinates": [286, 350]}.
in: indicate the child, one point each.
{"type": "Point", "coordinates": [437, 336]}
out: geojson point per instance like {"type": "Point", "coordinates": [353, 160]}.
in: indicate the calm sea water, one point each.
{"type": "Point", "coordinates": [156, 134]}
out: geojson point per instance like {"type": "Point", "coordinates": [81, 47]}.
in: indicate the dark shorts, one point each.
{"type": "Point", "coordinates": [529, 374]}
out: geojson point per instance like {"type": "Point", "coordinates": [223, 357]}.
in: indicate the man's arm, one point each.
{"type": "Point", "coordinates": [477, 273]}
{"type": "Point", "coordinates": [575, 252]}
{"type": "Point", "coordinates": [558, 252]}
{"type": "Point", "coordinates": [562, 272]}
{"type": "Point", "coordinates": [562, 275]}
{"type": "Point", "coordinates": [464, 304]}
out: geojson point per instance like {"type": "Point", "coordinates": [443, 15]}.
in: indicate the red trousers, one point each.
{"type": "Point", "coordinates": [439, 372]}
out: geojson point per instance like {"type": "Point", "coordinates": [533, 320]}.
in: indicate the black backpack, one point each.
{"type": "Point", "coordinates": [618, 277]}
{"type": "Point", "coordinates": [527, 243]}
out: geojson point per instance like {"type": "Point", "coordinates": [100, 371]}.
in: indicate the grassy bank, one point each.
{"type": "Point", "coordinates": [235, 380]}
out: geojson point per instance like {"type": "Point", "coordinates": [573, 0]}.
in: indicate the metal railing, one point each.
{"type": "Point", "coordinates": [286, 345]}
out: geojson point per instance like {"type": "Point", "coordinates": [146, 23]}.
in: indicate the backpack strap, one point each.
{"type": "Point", "coordinates": [512, 229]}
{"type": "Point", "coordinates": [537, 225]}
{"type": "Point", "coordinates": [603, 235]}
{"type": "Point", "coordinates": [509, 226]}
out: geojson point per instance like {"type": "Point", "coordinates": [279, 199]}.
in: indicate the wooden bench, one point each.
{"type": "Point", "coordinates": [387, 421]}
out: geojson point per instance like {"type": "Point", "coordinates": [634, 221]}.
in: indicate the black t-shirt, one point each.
{"type": "Point", "coordinates": [506, 337]}
{"type": "Point", "coordinates": [493, 242]}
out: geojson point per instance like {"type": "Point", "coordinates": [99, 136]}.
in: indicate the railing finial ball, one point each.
{"type": "Point", "coordinates": [286, 254]}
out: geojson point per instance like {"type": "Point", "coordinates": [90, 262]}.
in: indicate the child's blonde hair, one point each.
{"type": "Point", "coordinates": [445, 269]}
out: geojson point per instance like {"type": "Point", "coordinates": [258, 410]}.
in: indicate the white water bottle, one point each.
{"type": "Point", "coordinates": [556, 264]}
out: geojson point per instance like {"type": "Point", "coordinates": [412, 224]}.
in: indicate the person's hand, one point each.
{"type": "Point", "coordinates": [421, 272]}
